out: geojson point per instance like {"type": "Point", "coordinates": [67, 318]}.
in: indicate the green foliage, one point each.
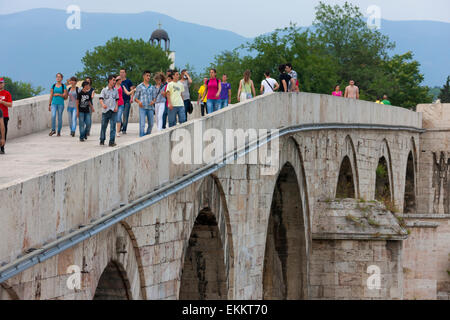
{"type": "Point", "coordinates": [401, 81]}
{"type": "Point", "coordinates": [434, 93]}
{"type": "Point", "coordinates": [21, 90]}
{"type": "Point", "coordinates": [339, 48]}
{"type": "Point", "coordinates": [381, 171]}
{"type": "Point", "coordinates": [444, 95]}
{"type": "Point", "coordinates": [135, 56]}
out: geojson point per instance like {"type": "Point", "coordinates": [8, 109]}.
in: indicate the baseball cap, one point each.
{"type": "Point", "coordinates": [2, 80]}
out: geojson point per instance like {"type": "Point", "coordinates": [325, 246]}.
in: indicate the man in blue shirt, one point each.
{"type": "Point", "coordinates": [126, 99]}
{"type": "Point", "coordinates": [144, 99]}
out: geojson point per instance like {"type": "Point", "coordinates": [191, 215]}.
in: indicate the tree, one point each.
{"type": "Point", "coordinates": [135, 56]}
{"type": "Point", "coordinates": [21, 90]}
{"type": "Point", "coordinates": [444, 96]}
{"type": "Point", "coordinates": [362, 55]}
{"type": "Point", "coordinates": [338, 48]}
{"type": "Point", "coordinates": [402, 82]}
{"type": "Point", "coordinates": [267, 52]}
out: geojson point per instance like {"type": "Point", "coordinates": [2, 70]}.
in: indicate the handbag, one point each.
{"type": "Point", "coordinates": [190, 108]}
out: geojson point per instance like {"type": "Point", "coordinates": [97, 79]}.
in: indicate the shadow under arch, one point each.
{"type": "Point", "coordinates": [286, 267]}
{"type": "Point", "coordinates": [208, 256]}
{"type": "Point", "coordinates": [409, 203]}
{"type": "Point", "coordinates": [113, 283]}
{"type": "Point", "coordinates": [347, 185]}
{"type": "Point", "coordinates": [384, 182]}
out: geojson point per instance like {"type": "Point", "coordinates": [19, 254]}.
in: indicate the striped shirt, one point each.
{"type": "Point", "coordinates": [144, 95]}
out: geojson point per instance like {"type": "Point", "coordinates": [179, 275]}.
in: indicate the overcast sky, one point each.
{"type": "Point", "coordinates": [245, 17]}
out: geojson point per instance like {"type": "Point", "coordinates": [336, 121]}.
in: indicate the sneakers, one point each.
{"type": "Point", "coordinates": [118, 134]}
{"type": "Point", "coordinates": [102, 143]}
{"type": "Point", "coordinates": [52, 133]}
{"type": "Point", "coordinates": [112, 144]}
{"type": "Point", "coordinates": [124, 132]}
{"type": "Point", "coordinates": [72, 134]}
{"type": "Point", "coordinates": [59, 134]}
{"type": "Point", "coordinates": [2, 151]}
{"type": "Point", "coordinates": [82, 140]}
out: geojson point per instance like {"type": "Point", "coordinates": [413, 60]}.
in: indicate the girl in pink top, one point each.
{"type": "Point", "coordinates": [337, 92]}
{"type": "Point", "coordinates": [121, 105]}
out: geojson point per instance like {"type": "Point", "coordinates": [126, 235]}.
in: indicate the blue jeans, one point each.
{"type": "Point", "coordinates": [108, 117]}
{"type": "Point", "coordinates": [60, 109]}
{"type": "Point", "coordinates": [84, 121]}
{"type": "Point", "coordinates": [212, 105]}
{"type": "Point", "coordinates": [149, 114]}
{"type": "Point", "coordinates": [126, 115]}
{"type": "Point", "coordinates": [88, 126]}
{"type": "Point", "coordinates": [180, 111]}
{"type": "Point", "coordinates": [165, 115]}
{"type": "Point", "coordinates": [187, 104]}
{"type": "Point", "coordinates": [72, 112]}
{"type": "Point", "coordinates": [223, 103]}
{"type": "Point", "coordinates": [119, 114]}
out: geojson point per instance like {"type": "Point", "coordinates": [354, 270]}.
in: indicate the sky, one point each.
{"type": "Point", "coordinates": [245, 17]}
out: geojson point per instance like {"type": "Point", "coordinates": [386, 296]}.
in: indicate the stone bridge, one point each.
{"type": "Point", "coordinates": [354, 205]}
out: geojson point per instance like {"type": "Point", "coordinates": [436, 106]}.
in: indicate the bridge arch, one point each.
{"type": "Point", "coordinates": [113, 283]}
{"type": "Point", "coordinates": [347, 185]}
{"type": "Point", "coordinates": [288, 236]}
{"type": "Point", "coordinates": [207, 270]}
{"type": "Point", "coordinates": [409, 202]}
{"type": "Point", "coordinates": [119, 276]}
{"type": "Point", "coordinates": [384, 182]}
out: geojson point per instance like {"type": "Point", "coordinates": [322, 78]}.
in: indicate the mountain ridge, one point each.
{"type": "Point", "coordinates": [194, 44]}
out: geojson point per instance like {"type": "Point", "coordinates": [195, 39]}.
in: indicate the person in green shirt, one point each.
{"type": "Point", "coordinates": [386, 101]}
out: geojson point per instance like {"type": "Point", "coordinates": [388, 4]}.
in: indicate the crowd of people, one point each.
{"type": "Point", "coordinates": [167, 101]}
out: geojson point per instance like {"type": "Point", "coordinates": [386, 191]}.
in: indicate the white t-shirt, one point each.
{"type": "Point", "coordinates": [269, 88]}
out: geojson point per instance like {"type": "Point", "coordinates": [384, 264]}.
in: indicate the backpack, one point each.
{"type": "Point", "coordinates": [207, 83]}
{"type": "Point", "coordinates": [76, 90]}
{"type": "Point", "coordinates": [63, 86]}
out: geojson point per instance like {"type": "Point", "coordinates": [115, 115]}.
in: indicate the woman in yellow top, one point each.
{"type": "Point", "coordinates": [201, 91]}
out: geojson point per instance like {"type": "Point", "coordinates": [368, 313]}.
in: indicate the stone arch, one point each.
{"type": "Point", "coordinates": [7, 293]}
{"type": "Point", "coordinates": [118, 272]}
{"type": "Point", "coordinates": [409, 203]}
{"type": "Point", "coordinates": [384, 182]}
{"type": "Point", "coordinates": [347, 185]}
{"type": "Point", "coordinates": [208, 256]}
{"type": "Point", "coordinates": [286, 268]}
{"type": "Point", "coordinates": [113, 283]}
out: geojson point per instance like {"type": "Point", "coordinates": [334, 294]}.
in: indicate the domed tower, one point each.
{"type": "Point", "coordinates": [157, 37]}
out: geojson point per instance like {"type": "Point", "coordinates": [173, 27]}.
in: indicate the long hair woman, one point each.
{"type": "Point", "coordinates": [246, 87]}
{"type": "Point", "coordinates": [58, 93]}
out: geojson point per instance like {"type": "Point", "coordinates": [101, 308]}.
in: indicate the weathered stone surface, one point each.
{"type": "Point", "coordinates": [356, 219]}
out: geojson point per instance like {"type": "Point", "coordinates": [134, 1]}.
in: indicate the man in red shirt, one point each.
{"type": "Point", "coordinates": [5, 103]}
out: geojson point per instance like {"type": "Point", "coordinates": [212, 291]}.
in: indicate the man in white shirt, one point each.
{"type": "Point", "coordinates": [269, 85]}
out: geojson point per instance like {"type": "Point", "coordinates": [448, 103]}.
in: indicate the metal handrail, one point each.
{"type": "Point", "coordinates": [55, 247]}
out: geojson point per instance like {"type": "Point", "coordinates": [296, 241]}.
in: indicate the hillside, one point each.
{"type": "Point", "coordinates": [42, 46]}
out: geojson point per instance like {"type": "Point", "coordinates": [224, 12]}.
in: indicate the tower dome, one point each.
{"type": "Point", "coordinates": [158, 36]}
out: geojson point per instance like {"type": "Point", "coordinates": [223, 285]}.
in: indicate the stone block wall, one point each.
{"type": "Point", "coordinates": [339, 269]}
